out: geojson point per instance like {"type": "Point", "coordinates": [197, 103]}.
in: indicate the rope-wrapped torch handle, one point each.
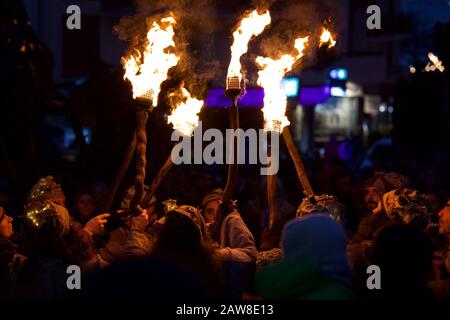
{"type": "Point", "coordinates": [232, 166]}
{"type": "Point", "coordinates": [141, 163]}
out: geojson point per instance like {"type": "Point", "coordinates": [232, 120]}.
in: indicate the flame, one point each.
{"type": "Point", "coordinates": [184, 117]}
{"type": "Point", "coordinates": [250, 26]}
{"type": "Point", "coordinates": [326, 37]}
{"type": "Point", "coordinates": [147, 70]}
{"type": "Point", "coordinates": [269, 77]}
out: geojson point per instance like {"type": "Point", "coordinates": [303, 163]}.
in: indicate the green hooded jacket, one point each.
{"type": "Point", "coordinates": [290, 280]}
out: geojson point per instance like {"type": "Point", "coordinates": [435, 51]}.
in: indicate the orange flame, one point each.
{"type": "Point", "coordinates": [147, 70]}
{"type": "Point", "coordinates": [326, 37]}
{"type": "Point", "coordinates": [250, 26]}
{"type": "Point", "coordinates": [269, 77]}
{"type": "Point", "coordinates": [184, 117]}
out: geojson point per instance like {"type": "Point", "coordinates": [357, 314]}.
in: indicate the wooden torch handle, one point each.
{"type": "Point", "coordinates": [301, 173]}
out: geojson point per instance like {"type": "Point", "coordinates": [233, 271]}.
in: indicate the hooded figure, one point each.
{"type": "Point", "coordinates": [237, 250]}
{"type": "Point", "coordinates": [235, 240]}
{"type": "Point", "coordinates": [314, 264]}
{"type": "Point", "coordinates": [52, 246]}
{"type": "Point", "coordinates": [48, 219]}
{"type": "Point", "coordinates": [53, 241]}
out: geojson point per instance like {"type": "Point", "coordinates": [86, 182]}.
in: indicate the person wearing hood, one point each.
{"type": "Point", "coordinates": [45, 206]}
{"type": "Point", "coordinates": [314, 264]}
{"type": "Point", "coordinates": [52, 242]}
{"type": "Point", "coordinates": [235, 240]}
{"type": "Point", "coordinates": [48, 192]}
{"type": "Point", "coordinates": [236, 244]}
{"type": "Point", "coordinates": [51, 245]}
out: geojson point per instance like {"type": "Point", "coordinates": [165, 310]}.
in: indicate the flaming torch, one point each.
{"type": "Point", "coordinates": [275, 121]}
{"type": "Point", "coordinates": [146, 71]}
{"type": "Point", "coordinates": [269, 77]}
{"type": "Point", "coordinates": [184, 119]}
{"type": "Point", "coordinates": [250, 26]}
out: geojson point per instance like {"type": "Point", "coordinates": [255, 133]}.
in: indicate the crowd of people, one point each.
{"type": "Point", "coordinates": [223, 250]}
{"type": "Point", "coordinates": [320, 247]}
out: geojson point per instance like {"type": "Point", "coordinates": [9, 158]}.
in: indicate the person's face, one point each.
{"type": "Point", "coordinates": [444, 220]}
{"type": "Point", "coordinates": [85, 205]}
{"type": "Point", "coordinates": [211, 210]}
{"type": "Point", "coordinates": [6, 228]}
{"type": "Point", "coordinates": [371, 198]}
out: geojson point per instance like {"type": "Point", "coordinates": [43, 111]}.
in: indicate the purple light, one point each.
{"type": "Point", "coordinates": [310, 96]}
{"type": "Point", "coordinates": [216, 99]}
{"type": "Point", "coordinates": [254, 98]}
